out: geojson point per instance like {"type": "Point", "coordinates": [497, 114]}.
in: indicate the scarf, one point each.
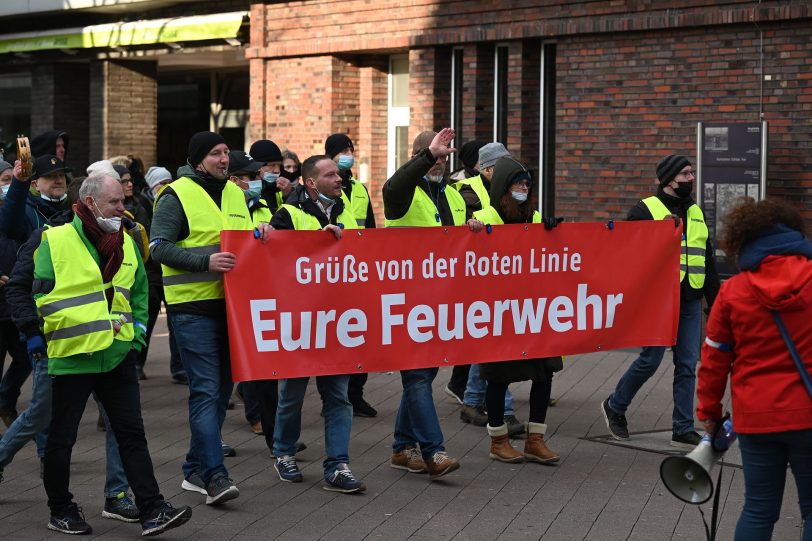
{"type": "Point", "coordinates": [109, 245]}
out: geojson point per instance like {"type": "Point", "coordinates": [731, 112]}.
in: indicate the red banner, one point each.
{"type": "Point", "coordinates": [306, 304]}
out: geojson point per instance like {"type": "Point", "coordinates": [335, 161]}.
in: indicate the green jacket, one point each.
{"type": "Point", "coordinates": [108, 359]}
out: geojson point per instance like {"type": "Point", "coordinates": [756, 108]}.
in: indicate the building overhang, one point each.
{"type": "Point", "coordinates": [178, 30]}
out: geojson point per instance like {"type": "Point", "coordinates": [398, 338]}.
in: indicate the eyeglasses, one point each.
{"type": "Point", "coordinates": [686, 174]}
{"type": "Point", "coordinates": [521, 185]}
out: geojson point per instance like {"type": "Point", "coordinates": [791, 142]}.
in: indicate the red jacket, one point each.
{"type": "Point", "coordinates": [743, 341]}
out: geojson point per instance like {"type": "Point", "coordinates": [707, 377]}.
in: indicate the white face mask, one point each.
{"type": "Point", "coordinates": [435, 178]}
{"type": "Point", "coordinates": [521, 197]}
{"type": "Point", "coordinates": [108, 225]}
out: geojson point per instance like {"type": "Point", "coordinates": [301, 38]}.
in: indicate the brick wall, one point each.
{"type": "Point", "coordinates": [59, 102]}
{"type": "Point", "coordinates": [628, 100]}
{"type": "Point", "coordinates": [371, 142]}
{"type": "Point", "coordinates": [124, 109]}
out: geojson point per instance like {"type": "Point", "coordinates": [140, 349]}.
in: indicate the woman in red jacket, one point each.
{"type": "Point", "coordinates": [772, 410]}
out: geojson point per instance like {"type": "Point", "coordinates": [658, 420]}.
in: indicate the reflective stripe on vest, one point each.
{"type": "Point", "coordinates": [478, 186]}
{"type": "Point", "coordinates": [75, 315]}
{"type": "Point", "coordinates": [694, 240]}
{"type": "Point", "coordinates": [205, 221]}
{"type": "Point", "coordinates": [303, 221]}
{"type": "Point", "coordinates": [423, 213]}
{"type": "Point", "coordinates": [490, 216]}
{"type": "Point", "coordinates": [359, 202]}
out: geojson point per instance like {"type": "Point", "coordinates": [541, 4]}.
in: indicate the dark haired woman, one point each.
{"type": "Point", "coordinates": [772, 409]}
{"type": "Point", "coordinates": [512, 203]}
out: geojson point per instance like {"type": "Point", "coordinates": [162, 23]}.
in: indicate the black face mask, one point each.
{"type": "Point", "coordinates": [291, 176]}
{"type": "Point", "coordinates": [684, 189]}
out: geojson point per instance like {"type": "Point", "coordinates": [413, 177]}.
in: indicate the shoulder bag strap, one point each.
{"type": "Point", "coordinates": [793, 351]}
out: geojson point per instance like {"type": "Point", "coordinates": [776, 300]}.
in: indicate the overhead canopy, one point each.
{"type": "Point", "coordinates": [126, 34]}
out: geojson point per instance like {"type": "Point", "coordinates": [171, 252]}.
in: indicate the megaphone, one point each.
{"type": "Point", "coordinates": [688, 477]}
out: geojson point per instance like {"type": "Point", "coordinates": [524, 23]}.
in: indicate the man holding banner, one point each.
{"type": "Point", "coordinates": [185, 240]}
{"type": "Point", "coordinates": [316, 205]}
{"type": "Point", "coordinates": [417, 196]}
{"type": "Point", "coordinates": [698, 278]}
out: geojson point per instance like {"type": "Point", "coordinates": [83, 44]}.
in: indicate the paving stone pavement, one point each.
{"type": "Point", "coordinates": [598, 491]}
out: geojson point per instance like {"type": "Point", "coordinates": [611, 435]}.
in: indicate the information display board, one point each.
{"type": "Point", "coordinates": [732, 163]}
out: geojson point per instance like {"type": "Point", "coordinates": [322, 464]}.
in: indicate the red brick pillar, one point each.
{"type": "Point", "coordinates": [124, 109]}
{"type": "Point", "coordinates": [477, 84]}
{"type": "Point", "coordinates": [429, 90]}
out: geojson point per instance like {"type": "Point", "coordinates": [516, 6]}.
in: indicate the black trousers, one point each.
{"type": "Point", "coordinates": [355, 390]}
{"type": "Point", "coordinates": [459, 376]}
{"type": "Point", "coordinates": [267, 394]}
{"type": "Point", "coordinates": [118, 392]}
{"type": "Point", "coordinates": [539, 401]}
{"type": "Point", "coordinates": [18, 369]}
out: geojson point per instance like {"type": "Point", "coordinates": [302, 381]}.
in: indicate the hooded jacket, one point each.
{"type": "Point", "coordinates": [45, 143]}
{"type": "Point", "coordinates": [743, 340]}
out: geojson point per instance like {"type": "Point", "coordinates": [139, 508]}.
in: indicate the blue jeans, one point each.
{"type": "Point", "coordinates": [416, 422]}
{"type": "Point", "coordinates": [337, 419]}
{"type": "Point", "coordinates": [686, 354]}
{"type": "Point", "coordinates": [203, 346]}
{"type": "Point", "coordinates": [764, 460]}
{"type": "Point", "coordinates": [34, 421]}
{"type": "Point", "coordinates": [475, 391]}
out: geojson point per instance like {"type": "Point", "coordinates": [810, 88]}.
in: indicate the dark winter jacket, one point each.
{"type": "Point", "coordinates": [24, 212]}
{"type": "Point", "coordinates": [398, 191]}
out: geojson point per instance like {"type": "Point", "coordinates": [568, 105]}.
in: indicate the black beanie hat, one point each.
{"type": "Point", "coordinates": [336, 143]}
{"type": "Point", "coordinates": [265, 151]}
{"type": "Point", "coordinates": [669, 166]}
{"type": "Point", "coordinates": [201, 143]}
{"type": "Point", "coordinates": [469, 153]}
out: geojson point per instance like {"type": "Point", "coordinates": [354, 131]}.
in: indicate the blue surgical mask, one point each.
{"type": "Point", "coordinates": [434, 178]}
{"type": "Point", "coordinates": [521, 197]}
{"type": "Point", "coordinates": [326, 200]}
{"type": "Point", "coordinates": [4, 191]}
{"type": "Point", "coordinates": [270, 178]}
{"type": "Point", "coordinates": [254, 189]}
{"type": "Point", "coordinates": [345, 162]}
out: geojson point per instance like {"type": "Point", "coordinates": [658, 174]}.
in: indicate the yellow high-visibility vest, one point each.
{"type": "Point", "coordinates": [489, 216]}
{"type": "Point", "coordinates": [303, 221]}
{"type": "Point", "coordinates": [479, 188]}
{"type": "Point", "coordinates": [205, 221]}
{"type": "Point", "coordinates": [358, 202]}
{"type": "Point", "coordinates": [423, 212]}
{"type": "Point", "coordinates": [75, 315]}
{"type": "Point", "coordinates": [694, 240]}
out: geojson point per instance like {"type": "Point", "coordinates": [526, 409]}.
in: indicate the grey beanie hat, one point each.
{"type": "Point", "coordinates": [156, 175]}
{"type": "Point", "coordinates": [490, 154]}
{"type": "Point", "coordinates": [5, 165]}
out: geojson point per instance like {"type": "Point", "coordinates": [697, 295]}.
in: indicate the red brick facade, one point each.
{"type": "Point", "coordinates": [631, 83]}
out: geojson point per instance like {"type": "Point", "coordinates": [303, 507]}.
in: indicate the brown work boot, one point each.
{"type": "Point", "coordinates": [440, 464]}
{"type": "Point", "coordinates": [501, 449]}
{"type": "Point", "coordinates": [535, 450]}
{"type": "Point", "coordinates": [408, 459]}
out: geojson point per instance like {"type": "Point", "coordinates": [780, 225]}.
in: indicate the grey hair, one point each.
{"type": "Point", "coordinates": [92, 186]}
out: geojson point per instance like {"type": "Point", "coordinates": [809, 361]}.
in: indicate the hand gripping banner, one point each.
{"type": "Point", "coordinates": [305, 303]}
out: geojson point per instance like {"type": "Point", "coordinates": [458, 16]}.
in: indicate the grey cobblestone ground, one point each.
{"type": "Point", "coordinates": [596, 492]}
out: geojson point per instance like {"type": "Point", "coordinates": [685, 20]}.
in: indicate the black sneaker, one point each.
{"type": "Point", "coordinates": [288, 470]}
{"type": "Point", "coordinates": [180, 379]}
{"type": "Point", "coordinates": [455, 392]}
{"type": "Point", "coordinates": [228, 450]}
{"type": "Point", "coordinates": [194, 483]}
{"type": "Point", "coordinates": [220, 489]}
{"type": "Point", "coordinates": [475, 416]}
{"type": "Point", "coordinates": [165, 518]}
{"type": "Point", "coordinates": [120, 508]}
{"type": "Point", "coordinates": [617, 425]}
{"type": "Point", "coordinates": [514, 426]}
{"type": "Point", "coordinates": [688, 439]}
{"type": "Point", "coordinates": [362, 408]}
{"type": "Point", "coordinates": [71, 521]}
{"type": "Point", "coordinates": [343, 481]}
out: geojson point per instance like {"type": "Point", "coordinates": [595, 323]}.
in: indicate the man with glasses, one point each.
{"type": "Point", "coordinates": [698, 278]}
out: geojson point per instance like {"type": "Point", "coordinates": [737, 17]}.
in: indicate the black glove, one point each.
{"type": "Point", "coordinates": [550, 222]}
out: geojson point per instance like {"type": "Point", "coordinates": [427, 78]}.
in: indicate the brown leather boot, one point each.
{"type": "Point", "coordinates": [535, 450]}
{"type": "Point", "coordinates": [501, 449]}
